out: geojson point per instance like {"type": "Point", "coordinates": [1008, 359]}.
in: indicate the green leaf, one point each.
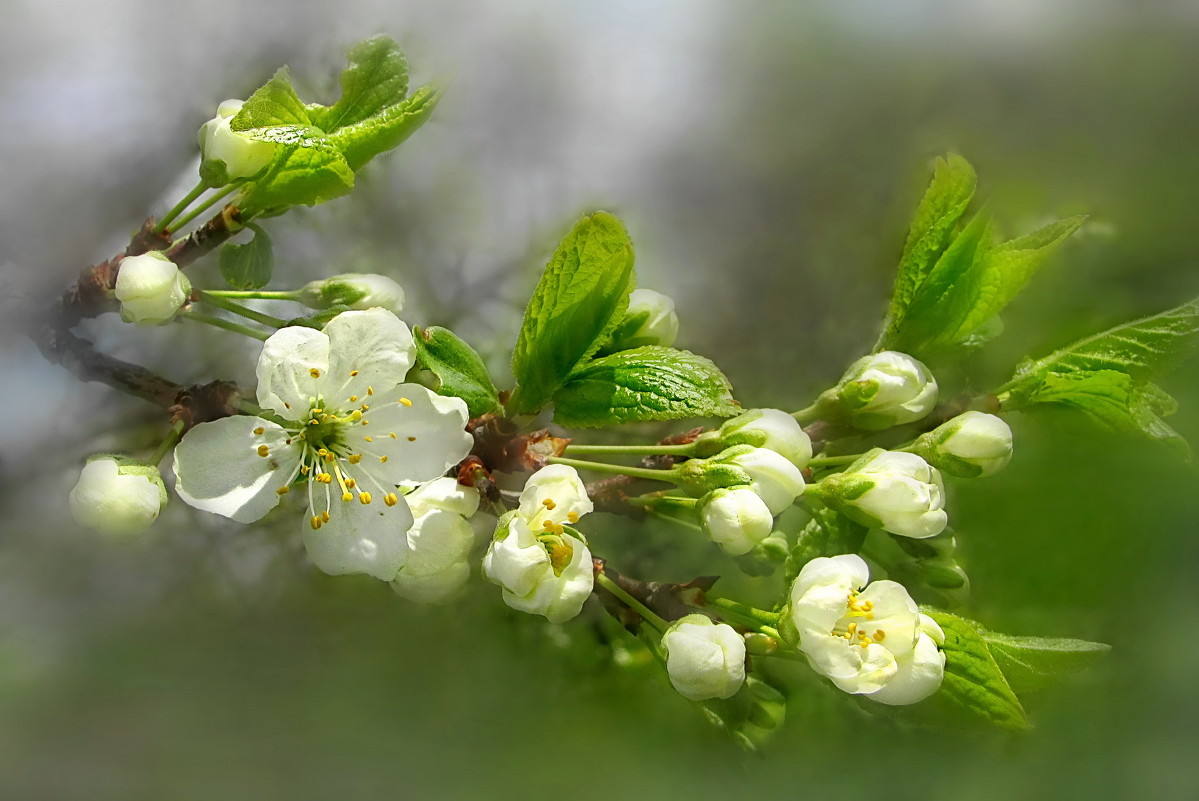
{"type": "Point", "coordinates": [1033, 663]}
{"type": "Point", "coordinates": [273, 104]}
{"type": "Point", "coordinates": [1102, 395]}
{"type": "Point", "coordinates": [973, 681]}
{"type": "Point", "coordinates": [376, 78]}
{"type": "Point", "coordinates": [943, 204]}
{"type": "Point", "coordinates": [365, 139]}
{"type": "Point", "coordinates": [310, 172]}
{"type": "Point", "coordinates": [248, 266]}
{"type": "Point", "coordinates": [826, 534]}
{"type": "Point", "coordinates": [1142, 348]}
{"type": "Point", "coordinates": [646, 383]}
{"type": "Point", "coordinates": [1147, 405]}
{"type": "Point", "coordinates": [459, 370]}
{"type": "Point", "coordinates": [580, 299]}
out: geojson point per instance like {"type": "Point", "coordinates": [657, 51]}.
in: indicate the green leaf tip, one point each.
{"type": "Point", "coordinates": [459, 370]}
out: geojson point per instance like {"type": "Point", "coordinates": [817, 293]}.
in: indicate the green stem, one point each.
{"type": "Point", "coordinates": [829, 461]}
{"type": "Point", "coordinates": [747, 613]}
{"type": "Point", "coordinates": [686, 449]}
{"type": "Point", "coordinates": [186, 201]}
{"type": "Point", "coordinates": [228, 325]}
{"type": "Point", "coordinates": [206, 205]}
{"type": "Point", "coordinates": [652, 512]}
{"type": "Point", "coordinates": [808, 415]}
{"type": "Point", "coordinates": [618, 469]}
{"type": "Point", "coordinates": [171, 440]}
{"type": "Point", "coordinates": [238, 309]}
{"type": "Point", "coordinates": [658, 499]}
{"type": "Point", "coordinates": [256, 294]}
{"type": "Point", "coordinates": [638, 607]}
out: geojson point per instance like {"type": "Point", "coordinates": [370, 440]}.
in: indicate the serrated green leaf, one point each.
{"type": "Point", "coordinates": [973, 680]}
{"type": "Point", "coordinates": [943, 204]}
{"type": "Point", "coordinates": [365, 139]}
{"type": "Point", "coordinates": [459, 370]}
{"type": "Point", "coordinates": [643, 384]}
{"type": "Point", "coordinates": [376, 78]}
{"type": "Point", "coordinates": [1142, 348]}
{"type": "Point", "coordinates": [299, 175]}
{"type": "Point", "coordinates": [248, 266]}
{"type": "Point", "coordinates": [826, 534]}
{"type": "Point", "coordinates": [580, 299]}
{"type": "Point", "coordinates": [1032, 663]}
{"type": "Point", "coordinates": [1104, 396]}
{"type": "Point", "coordinates": [1147, 405]}
{"type": "Point", "coordinates": [273, 104]}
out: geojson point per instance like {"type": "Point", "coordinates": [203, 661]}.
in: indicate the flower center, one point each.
{"type": "Point", "coordinates": [855, 625]}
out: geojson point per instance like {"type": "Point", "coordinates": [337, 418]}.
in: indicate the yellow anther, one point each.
{"type": "Point", "coordinates": [412, 439]}
{"type": "Point", "coordinates": [351, 483]}
{"type": "Point", "coordinates": [354, 458]}
{"type": "Point", "coordinates": [286, 405]}
{"type": "Point", "coordinates": [322, 451]}
{"type": "Point", "coordinates": [347, 496]}
{"type": "Point", "coordinates": [548, 525]}
{"type": "Point", "coordinates": [260, 430]}
{"type": "Point", "coordinates": [325, 516]}
{"type": "Point", "coordinates": [365, 407]}
{"type": "Point", "coordinates": [548, 503]}
{"type": "Point", "coordinates": [353, 373]}
{"type": "Point", "coordinates": [315, 522]}
{"type": "Point", "coordinates": [314, 422]}
{"type": "Point", "coordinates": [370, 390]}
{"type": "Point", "coordinates": [315, 373]}
{"type": "Point", "coordinates": [264, 450]}
{"type": "Point", "coordinates": [880, 635]}
{"type": "Point", "coordinates": [353, 399]}
{"type": "Point", "coordinates": [330, 457]}
{"type": "Point", "coordinates": [365, 498]}
{"type": "Point", "coordinates": [851, 629]}
{"type": "Point", "coordinates": [283, 490]}
{"type": "Point", "coordinates": [405, 401]}
{"type": "Point", "coordinates": [315, 412]}
{"type": "Point", "coordinates": [305, 469]}
{"type": "Point", "coordinates": [572, 517]}
{"type": "Point", "coordinates": [324, 478]}
{"type": "Point", "coordinates": [382, 459]}
{"type": "Point", "coordinates": [391, 434]}
{"type": "Point", "coordinates": [368, 439]}
{"type": "Point", "coordinates": [365, 422]}
{"type": "Point", "coordinates": [865, 643]}
{"type": "Point", "coordinates": [391, 499]}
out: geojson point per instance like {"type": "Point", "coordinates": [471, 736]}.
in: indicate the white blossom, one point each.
{"type": "Point", "coordinates": [151, 288]}
{"type": "Point", "coordinates": [241, 155]}
{"type": "Point", "coordinates": [973, 444]}
{"type": "Point", "coordinates": [886, 389]}
{"type": "Point", "coordinates": [355, 290]}
{"type": "Point", "coordinates": [542, 568]}
{"type": "Point", "coordinates": [439, 541]}
{"type": "Point", "coordinates": [869, 640]}
{"type": "Point", "coordinates": [704, 659]}
{"type": "Point", "coordinates": [735, 518]}
{"type": "Point", "coordinates": [350, 432]}
{"type": "Point", "coordinates": [895, 491]}
{"type": "Point", "coordinates": [116, 497]}
{"type": "Point", "coordinates": [766, 428]}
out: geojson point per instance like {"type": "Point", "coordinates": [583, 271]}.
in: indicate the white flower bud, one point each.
{"type": "Point", "coordinates": [549, 575]}
{"type": "Point", "coordinates": [151, 289]}
{"type": "Point", "coordinates": [649, 320]}
{"type": "Point", "coordinates": [736, 519]}
{"type": "Point", "coordinates": [886, 389]}
{"type": "Point", "coordinates": [772, 476]}
{"type": "Point", "coordinates": [898, 492]}
{"type": "Point", "coordinates": [439, 541]}
{"type": "Point", "coordinates": [766, 428]}
{"type": "Point", "coordinates": [973, 444]}
{"type": "Point", "coordinates": [356, 290]}
{"type": "Point", "coordinates": [704, 659]}
{"type": "Point", "coordinates": [240, 155]}
{"type": "Point", "coordinates": [115, 497]}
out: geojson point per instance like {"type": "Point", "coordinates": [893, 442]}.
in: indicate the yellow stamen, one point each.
{"type": "Point", "coordinates": [354, 458]}
{"type": "Point", "coordinates": [325, 516]}
{"type": "Point", "coordinates": [391, 434]}
{"type": "Point", "coordinates": [347, 496]}
{"type": "Point", "coordinates": [324, 478]}
{"type": "Point", "coordinates": [368, 439]}
{"type": "Point", "coordinates": [548, 503]}
{"type": "Point", "coordinates": [365, 407]}
{"type": "Point", "coordinates": [283, 490]}
{"type": "Point", "coordinates": [572, 517]}
{"type": "Point", "coordinates": [880, 635]}
{"type": "Point", "coordinates": [351, 483]}
{"type": "Point", "coordinates": [260, 430]}
{"type": "Point", "coordinates": [264, 450]}
{"type": "Point", "coordinates": [382, 459]}
{"type": "Point", "coordinates": [315, 522]}
{"type": "Point", "coordinates": [305, 469]}
{"type": "Point", "coordinates": [391, 499]}
{"type": "Point", "coordinates": [365, 498]}
{"type": "Point", "coordinates": [315, 373]}
{"type": "Point", "coordinates": [317, 411]}
{"type": "Point", "coordinates": [353, 373]}
{"type": "Point", "coordinates": [412, 439]}
{"type": "Point", "coordinates": [370, 390]}
{"type": "Point", "coordinates": [353, 399]}
{"type": "Point", "coordinates": [405, 401]}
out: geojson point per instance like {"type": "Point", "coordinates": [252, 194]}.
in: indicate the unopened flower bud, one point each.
{"type": "Point", "coordinates": [439, 541]}
{"type": "Point", "coordinates": [894, 491]}
{"type": "Point", "coordinates": [227, 155]}
{"type": "Point", "coordinates": [704, 659]}
{"type": "Point", "coordinates": [355, 290]}
{"type": "Point", "coordinates": [117, 496]}
{"type": "Point", "coordinates": [772, 476]}
{"type": "Point", "coordinates": [649, 320]}
{"type": "Point", "coordinates": [883, 390]}
{"type": "Point", "coordinates": [736, 519]}
{"type": "Point", "coordinates": [151, 289]}
{"type": "Point", "coordinates": [973, 444]}
{"type": "Point", "coordinates": [762, 428]}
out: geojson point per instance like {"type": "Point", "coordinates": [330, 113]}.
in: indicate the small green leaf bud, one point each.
{"type": "Point", "coordinates": [238, 155]}
{"type": "Point", "coordinates": [151, 289]}
{"type": "Point", "coordinates": [762, 428]}
{"type": "Point", "coordinates": [882, 390]}
{"type": "Point", "coordinates": [704, 660]}
{"type": "Point", "coordinates": [354, 291]}
{"type": "Point", "coordinates": [897, 492]}
{"type": "Point", "coordinates": [973, 444]}
{"type": "Point", "coordinates": [115, 495]}
{"type": "Point", "coordinates": [736, 519]}
{"type": "Point", "coordinates": [649, 320]}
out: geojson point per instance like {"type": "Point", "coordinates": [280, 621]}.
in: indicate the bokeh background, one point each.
{"type": "Point", "coordinates": [765, 157]}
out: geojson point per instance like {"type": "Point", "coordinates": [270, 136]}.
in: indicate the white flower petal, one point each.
{"type": "Point", "coordinates": [518, 562]}
{"type": "Point", "coordinates": [434, 588]}
{"type": "Point", "coordinates": [918, 676]}
{"type": "Point", "coordinates": [429, 435]}
{"type": "Point", "coordinates": [292, 368]}
{"type": "Point", "coordinates": [360, 538]}
{"type": "Point", "coordinates": [437, 540]}
{"type": "Point", "coordinates": [375, 344]}
{"type": "Point", "coordinates": [445, 494]}
{"type": "Point", "coordinates": [553, 493]}
{"type": "Point", "coordinates": [218, 467]}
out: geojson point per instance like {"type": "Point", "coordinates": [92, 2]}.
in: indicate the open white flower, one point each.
{"type": "Point", "coordinates": [151, 289]}
{"type": "Point", "coordinates": [895, 491]}
{"type": "Point", "coordinates": [348, 432]}
{"type": "Point", "coordinates": [117, 496]}
{"type": "Point", "coordinates": [439, 541]}
{"type": "Point", "coordinates": [869, 640]}
{"type": "Point", "coordinates": [542, 568]}
{"type": "Point", "coordinates": [704, 659]}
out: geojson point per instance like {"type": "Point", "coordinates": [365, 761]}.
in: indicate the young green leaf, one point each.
{"type": "Point", "coordinates": [581, 297]}
{"type": "Point", "coordinates": [1142, 348]}
{"type": "Point", "coordinates": [307, 173]}
{"type": "Point", "coordinates": [248, 266]}
{"type": "Point", "coordinates": [361, 141]}
{"type": "Point", "coordinates": [1032, 663]}
{"type": "Point", "coordinates": [1101, 395]}
{"type": "Point", "coordinates": [973, 680]}
{"type": "Point", "coordinates": [1148, 403]}
{"type": "Point", "coordinates": [376, 78]}
{"type": "Point", "coordinates": [459, 370]}
{"type": "Point", "coordinates": [943, 204]}
{"type": "Point", "coordinates": [646, 383]}
{"type": "Point", "coordinates": [273, 104]}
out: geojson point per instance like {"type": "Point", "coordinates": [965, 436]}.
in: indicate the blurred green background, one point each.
{"type": "Point", "coordinates": [765, 158]}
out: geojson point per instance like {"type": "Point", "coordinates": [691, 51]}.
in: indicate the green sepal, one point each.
{"type": "Point", "coordinates": [459, 370]}
{"type": "Point", "coordinates": [214, 173]}
{"type": "Point", "coordinates": [580, 299]}
{"type": "Point", "coordinates": [643, 384]}
{"type": "Point", "coordinates": [248, 266]}
{"type": "Point", "coordinates": [973, 681]}
{"type": "Point", "coordinates": [1033, 663]}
